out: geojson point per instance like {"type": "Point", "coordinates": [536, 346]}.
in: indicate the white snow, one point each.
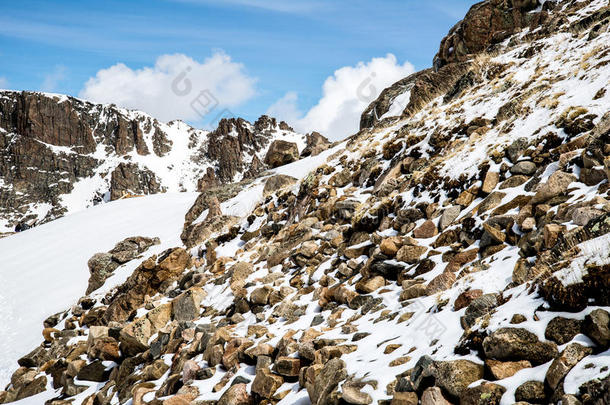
{"type": "Point", "coordinates": [44, 269]}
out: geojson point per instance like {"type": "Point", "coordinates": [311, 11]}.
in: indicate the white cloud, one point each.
{"type": "Point", "coordinates": [52, 79]}
{"type": "Point", "coordinates": [345, 95]}
{"type": "Point", "coordinates": [176, 87]}
{"type": "Point", "coordinates": [3, 83]}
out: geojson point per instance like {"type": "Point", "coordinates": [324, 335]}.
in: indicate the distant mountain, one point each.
{"type": "Point", "coordinates": [59, 155]}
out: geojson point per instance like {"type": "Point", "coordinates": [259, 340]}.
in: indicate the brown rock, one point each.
{"type": "Point", "coordinates": [405, 398]}
{"type": "Point", "coordinates": [277, 182]}
{"type": "Point", "coordinates": [368, 285]}
{"type": "Point", "coordinates": [504, 369]}
{"type": "Point", "coordinates": [490, 182]}
{"type": "Point", "coordinates": [287, 366]}
{"type": "Point", "coordinates": [551, 234]}
{"type": "Point", "coordinates": [266, 383]}
{"type": "Point", "coordinates": [281, 153]}
{"type": "Point", "coordinates": [425, 230]}
{"type": "Point", "coordinates": [236, 395]}
{"type": "Point", "coordinates": [455, 376]}
{"type": "Point", "coordinates": [440, 283]}
{"type": "Point", "coordinates": [390, 246]}
{"type": "Point", "coordinates": [561, 366]}
{"type": "Point", "coordinates": [515, 344]}
{"type": "Point", "coordinates": [410, 254]}
{"type": "Point", "coordinates": [433, 396]}
{"type": "Point", "coordinates": [465, 298]}
{"type": "Point", "coordinates": [556, 185]}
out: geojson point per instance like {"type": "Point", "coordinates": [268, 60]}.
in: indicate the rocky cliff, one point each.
{"type": "Point", "coordinates": [453, 253]}
{"type": "Point", "coordinates": [60, 155]}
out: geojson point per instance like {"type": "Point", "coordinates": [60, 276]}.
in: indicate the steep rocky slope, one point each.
{"type": "Point", "coordinates": [455, 250]}
{"type": "Point", "coordinates": [61, 155]}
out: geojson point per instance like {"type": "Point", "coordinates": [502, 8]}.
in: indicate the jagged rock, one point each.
{"type": "Point", "coordinates": [516, 344]}
{"type": "Point", "coordinates": [582, 216]}
{"type": "Point", "coordinates": [315, 144]}
{"type": "Point", "coordinates": [281, 153]}
{"type": "Point", "coordinates": [325, 383]}
{"type": "Point", "coordinates": [266, 383]}
{"type": "Point", "coordinates": [556, 185]}
{"type": "Point", "coordinates": [490, 182]}
{"type": "Point", "coordinates": [128, 179]}
{"type": "Point", "coordinates": [486, 23]}
{"type": "Point", "coordinates": [94, 371]}
{"type": "Point", "coordinates": [425, 230]}
{"type": "Point", "coordinates": [531, 392]}
{"type": "Point", "coordinates": [236, 395]}
{"type": "Point", "coordinates": [440, 283]}
{"type": "Point", "coordinates": [561, 366]}
{"type": "Point", "coordinates": [449, 215]}
{"type": "Point", "coordinates": [185, 307]}
{"type": "Point", "coordinates": [287, 366]}
{"type": "Point", "coordinates": [351, 393]}
{"type": "Point", "coordinates": [597, 327]}
{"type": "Point", "coordinates": [35, 358]}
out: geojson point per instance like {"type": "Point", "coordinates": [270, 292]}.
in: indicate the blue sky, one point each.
{"type": "Point", "coordinates": [283, 47]}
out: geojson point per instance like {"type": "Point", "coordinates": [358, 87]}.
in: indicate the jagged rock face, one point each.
{"type": "Point", "coordinates": [61, 154]}
{"type": "Point", "coordinates": [487, 23]}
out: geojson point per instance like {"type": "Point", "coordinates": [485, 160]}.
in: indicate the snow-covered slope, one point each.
{"type": "Point", "coordinates": [44, 270]}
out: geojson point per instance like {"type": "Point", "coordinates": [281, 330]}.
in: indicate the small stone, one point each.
{"type": "Point", "coordinates": [504, 369]}
{"type": "Point", "coordinates": [483, 394]}
{"type": "Point", "coordinates": [368, 285]}
{"type": "Point", "coordinates": [525, 167]}
{"type": "Point", "coordinates": [491, 201]}
{"type": "Point", "coordinates": [490, 182]}
{"type": "Point", "coordinates": [448, 216]}
{"type": "Point", "coordinates": [237, 394]}
{"type": "Point", "coordinates": [556, 185]}
{"type": "Point", "coordinates": [389, 246]}
{"type": "Point", "coordinates": [582, 216]}
{"type": "Point", "coordinates": [532, 392]}
{"type": "Point", "coordinates": [551, 234]}
{"type": "Point", "coordinates": [455, 376]}
{"type": "Point", "coordinates": [95, 371]}
{"type": "Point", "coordinates": [425, 230]}
{"type": "Point", "coordinates": [433, 396]}
{"type": "Point", "coordinates": [410, 254]}
{"type": "Point", "coordinates": [513, 181]}
{"type": "Point", "coordinates": [496, 235]}
{"type": "Point", "coordinates": [260, 296]}
{"type": "Point", "coordinates": [287, 366]}
{"type": "Point", "coordinates": [266, 383]}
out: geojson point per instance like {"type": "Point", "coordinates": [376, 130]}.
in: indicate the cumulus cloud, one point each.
{"type": "Point", "coordinates": [3, 83]}
{"type": "Point", "coordinates": [345, 95]}
{"type": "Point", "coordinates": [176, 87]}
{"type": "Point", "coordinates": [51, 80]}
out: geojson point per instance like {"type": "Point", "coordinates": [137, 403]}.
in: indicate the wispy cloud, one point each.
{"type": "Point", "coordinates": [52, 80]}
{"type": "Point", "coordinates": [280, 6]}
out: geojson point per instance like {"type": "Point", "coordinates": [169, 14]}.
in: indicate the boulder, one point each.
{"type": "Point", "coordinates": [266, 383]}
{"type": "Point", "coordinates": [277, 182]}
{"type": "Point", "coordinates": [186, 306]}
{"type": "Point", "coordinates": [483, 394]}
{"type": "Point", "coordinates": [561, 366]}
{"type": "Point", "coordinates": [514, 344]}
{"type": "Point", "coordinates": [326, 382]}
{"type": "Point", "coordinates": [531, 392]}
{"type": "Point", "coordinates": [281, 153]}
{"type": "Point", "coordinates": [236, 395]}
{"type": "Point", "coordinates": [455, 376]}
{"type": "Point", "coordinates": [448, 216]}
{"type": "Point", "coordinates": [561, 330]}
{"type": "Point", "coordinates": [425, 230]}
{"type": "Point", "coordinates": [556, 185]}
{"type": "Point", "coordinates": [597, 327]}
{"type": "Point", "coordinates": [410, 254]}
